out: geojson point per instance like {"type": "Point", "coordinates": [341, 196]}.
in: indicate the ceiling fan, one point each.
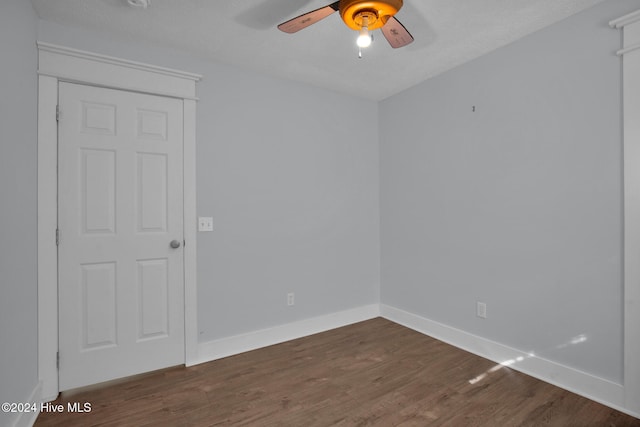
{"type": "Point", "coordinates": [360, 15]}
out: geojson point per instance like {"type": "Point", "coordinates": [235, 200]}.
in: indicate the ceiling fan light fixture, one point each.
{"type": "Point", "coordinates": [360, 15]}
{"type": "Point", "coordinates": [364, 38]}
{"type": "Point", "coordinates": [353, 12]}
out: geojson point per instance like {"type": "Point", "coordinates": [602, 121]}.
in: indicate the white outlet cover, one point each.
{"type": "Point", "coordinates": [481, 310]}
{"type": "Point", "coordinates": [205, 223]}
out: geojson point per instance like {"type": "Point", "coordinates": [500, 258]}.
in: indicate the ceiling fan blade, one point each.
{"type": "Point", "coordinates": [396, 34]}
{"type": "Point", "coordinates": [303, 21]}
{"type": "Point", "coordinates": [266, 14]}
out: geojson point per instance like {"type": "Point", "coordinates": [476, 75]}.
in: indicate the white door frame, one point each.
{"type": "Point", "coordinates": [630, 53]}
{"type": "Point", "coordinates": [55, 64]}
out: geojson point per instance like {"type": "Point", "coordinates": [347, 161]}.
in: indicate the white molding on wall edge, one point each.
{"type": "Point", "coordinates": [85, 67]}
{"type": "Point", "coordinates": [627, 19]}
{"type": "Point", "coordinates": [224, 347]}
{"type": "Point", "coordinates": [628, 49]}
{"type": "Point", "coordinates": [630, 26]}
{"type": "Point", "coordinates": [112, 60]}
{"type": "Point", "coordinates": [27, 419]}
{"type": "Point", "coordinates": [594, 388]}
{"type": "Point", "coordinates": [598, 389]}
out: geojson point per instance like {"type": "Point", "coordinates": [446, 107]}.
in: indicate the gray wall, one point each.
{"type": "Point", "coordinates": [290, 174]}
{"type": "Point", "coordinates": [518, 204]}
{"type": "Point", "coordinates": [18, 221]}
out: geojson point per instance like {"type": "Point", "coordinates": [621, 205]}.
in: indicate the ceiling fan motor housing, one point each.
{"type": "Point", "coordinates": [377, 12]}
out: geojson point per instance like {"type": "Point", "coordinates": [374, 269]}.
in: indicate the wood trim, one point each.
{"type": "Point", "coordinates": [95, 57]}
{"type": "Point", "coordinates": [190, 233]}
{"type": "Point", "coordinates": [47, 224]}
{"type": "Point", "coordinates": [589, 386]}
{"type": "Point", "coordinates": [626, 50]}
{"type": "Point", "coordinates": [627, 19]}
{"type": "Point", "coordinates": [28, 419]}
{"type": "Point", "coordinates": [237, 344]}
{"type": "Point", "coordinates": [630, 25]}
{"type": "Point", "coordinates": [100, 70]}
{"type": "Point", "coordinates": [57, 63]}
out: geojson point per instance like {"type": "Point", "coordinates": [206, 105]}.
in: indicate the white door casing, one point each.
{"type": "Point", "coordinates": [120, 283]}
{"type": "Point", "coordinates": [630, 53]}
{"type": "Point", "coordinates": [61, 64]}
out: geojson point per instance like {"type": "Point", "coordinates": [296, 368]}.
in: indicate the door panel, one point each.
{"type": "Point", "coordinates": [153, 286]}
{"type": "Point", "coordinates": [98, 288]}
{"type": "Point", "coordinates": [151, 195]}
{"type": "Point", "coordinates": [98, 169]}
{"type": "Point", "coordinates": [121, 284]}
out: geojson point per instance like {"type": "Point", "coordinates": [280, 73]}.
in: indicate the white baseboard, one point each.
{"type": "Point", "coordinates": [584, 384]}
{"type": "Point", "coordinates": [230, 346]}
{"type": "Point", "coordinates": [598, 389]}
{"type": "Point", "coordinates": [27, 419]}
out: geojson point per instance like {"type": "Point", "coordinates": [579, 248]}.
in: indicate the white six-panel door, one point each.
{"type": "Point", "coordinates": [120, 206]}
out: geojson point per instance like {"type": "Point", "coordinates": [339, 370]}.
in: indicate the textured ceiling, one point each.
{"type": "Point", "coordinates": [243, 32]}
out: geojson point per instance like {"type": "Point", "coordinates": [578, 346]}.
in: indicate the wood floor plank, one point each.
{"type": "Point", "coordinates": [373, 373]}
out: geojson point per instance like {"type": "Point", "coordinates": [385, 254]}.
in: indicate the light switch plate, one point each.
{"type": "Point", "coordinates": [205, 223]}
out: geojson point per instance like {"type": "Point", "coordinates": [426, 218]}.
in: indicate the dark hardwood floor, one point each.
{"type": "Point", "coordinates": [370, 373]}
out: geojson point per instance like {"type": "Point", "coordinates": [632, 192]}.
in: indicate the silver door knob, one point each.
{"type": "Point", "coordinates": [175, 244]}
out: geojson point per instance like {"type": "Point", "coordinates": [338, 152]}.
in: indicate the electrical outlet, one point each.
{"type": "Point", "coordinates": [291, 299]}
{"type": "Point", "coordinates": [205, 223]}
{"type": "Point", "coordinates": [481, 309]}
